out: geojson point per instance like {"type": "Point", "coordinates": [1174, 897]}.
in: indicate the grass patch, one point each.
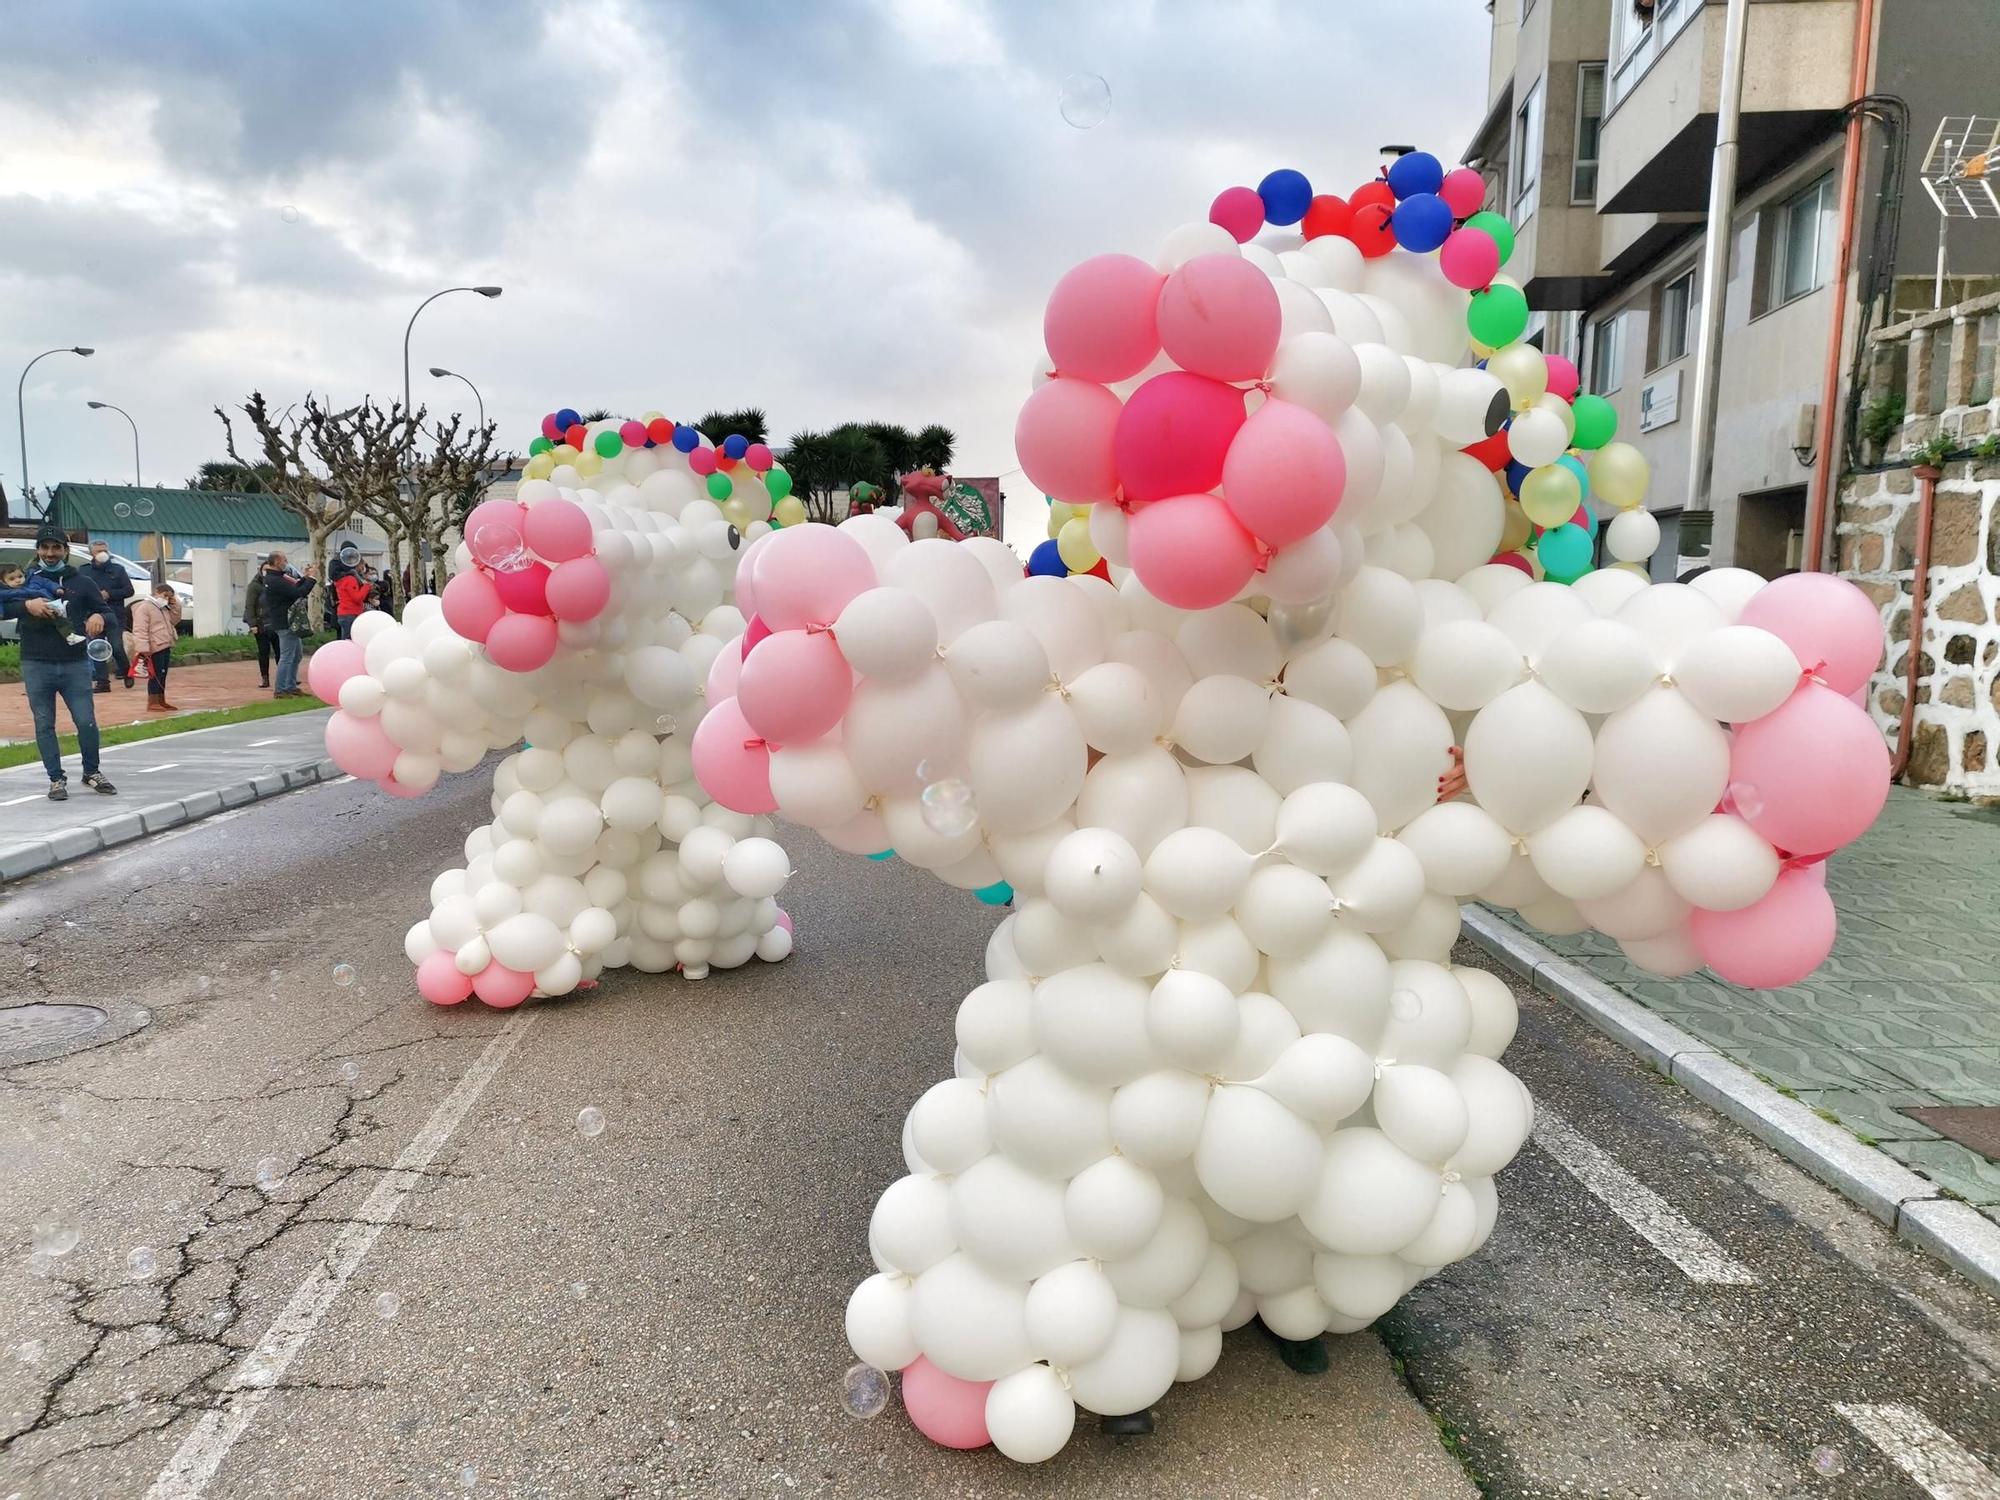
{"type": "Point", "coordinates": [25, 753]}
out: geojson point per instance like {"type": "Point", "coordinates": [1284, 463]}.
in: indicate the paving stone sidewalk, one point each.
{"type": "Point", "coordinates": [1906, 1011]}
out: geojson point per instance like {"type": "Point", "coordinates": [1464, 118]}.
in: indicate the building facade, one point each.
{"type": "Point", "coordinates": [1597, 145]}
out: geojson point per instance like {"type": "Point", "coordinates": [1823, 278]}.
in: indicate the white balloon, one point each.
{"type": "Point", "coordinates": [1737, 673]}
{"type": "Point", "coordinates": [1335, 675]}
{"type": "Point", "coordinates": [968, 1322]}
{"type": "Point", "coordinates": [1661, 766]}
{"type": "Point", "coordinates": [1221, 718]}
{"type": "Point", "coordinates": [1528, 757]}
{"type": "Point", "coordinates": [1284, 910]}
{"type": "Point", "coordinates": [1135, 1369]}
{"type": "Point", "coordinates": [1317, 370]}
{"type": "Point", "coordinates": [910, 1230]}
{"type": "Point", "coordinates": [1465, 664]}
{"type": "Point", "coordinates": [1460, 846]}
{"type": "Point", "coordinates": [1720, 864]}
{"type": "Point", "coordinates": [1494, 1012]}
{"type": "Point", "coordinates": [1670, 616]}
{"type": "Point", "coordinates": [1029, 1415]}
{"type": "Point", "coordinates": [1009, 1219]}
{"type": "Point", "coordinates": [1598, 666]}
{"type": "Point", "coordinates": [1645, 908]}
{"type": "Point", "coordinates": [1026, 767]}
{"type": "Point", "coordinates": [948, 1125]}
{"type": "Point", "coordinates": [1116, 707]}
{"type": "Point", "coordinates": [1370, 1198]}
{"type": "Point", "coordinates": [1322, 1078]}
{"type": "Point", "coordinates": [1586, 853]}
{"type": "Point", "coordinates": [1402, 744]}
{"type": "Point", "coordinates": [878, 1322]}
{"type": "Point", "coordinates": [1156, 1120]}
{"type": "Point", "coordinates": [1379, 612]}
{"type": "Point", "coordinates": [886, 633]}
{"type": "Point", "coordinates": [1196, 873]}
{"type": "Point", "coordinates": [1191, 1019]}
{"type": "Point", "coordinates": [1420, 1111]}
{"type": "Point", "coordinates": [1632, 536]}
{"type": "Point", "coordinates": [1113, 1208]}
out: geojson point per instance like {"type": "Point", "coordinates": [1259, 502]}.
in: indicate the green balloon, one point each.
{"type": "Point", "coordinates": [1497, 226]}
{"type": "Point", "coordinates": [1498, 315]}
{"type": "Point", "coordinates": [719, 486]}
{"type": "Point", "coordinates": [1596, 421]}
{"type": "Point", "coordinates": [608, 444]}
{"type": "Point", "coordinates": [779, 483]}
{"type": "Point", "coordinates": [539, 445]}
{"type": "Point", "coordinates": [1565, 552]}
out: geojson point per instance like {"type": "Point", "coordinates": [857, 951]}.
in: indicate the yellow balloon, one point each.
{"type": "Point", "coordinates": [789, 511]}
{"type": "Point", "coordinates": [1550, 495]}
{"type": "Point", "coordinates": [1062, 512]}
{"type": "Point", "coordinates": [736, 513]}
{"type": "Point", "coordinates": [1619, 475]}
{"type": "Point", "coordinates": [1561, 408]}
{"type": "Point", "coordinates": [1479, 350]}
{"type": "Point", "coordinates": [540, 466]}
{"type": "Point", "coordinates": [651, 416]}
{"type": "Point", "coordinates": [1515, 528]}
{"type": "Point", "coordinates": [1073, 545]}
{"type": "Point", "coordinates": [589, 465]}
{"type": "Point", "coordinates": [563, 453]}
{"type": "Point", "coordinates": [1521, 368]}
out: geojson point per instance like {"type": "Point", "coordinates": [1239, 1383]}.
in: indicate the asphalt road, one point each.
{"type": "Point", "coordinates": [380, 1222]}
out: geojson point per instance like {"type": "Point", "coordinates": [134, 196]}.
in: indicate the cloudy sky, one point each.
{"type": "Point", "coordinates": [834, 209]}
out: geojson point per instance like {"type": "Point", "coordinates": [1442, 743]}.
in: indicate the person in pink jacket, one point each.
{"type": "Point", "coordinates": [156, 622]}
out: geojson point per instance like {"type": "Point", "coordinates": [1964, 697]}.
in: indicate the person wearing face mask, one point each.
{"type": "Point", "coordinates": [55, 660]}
{"type": "Point", "coordinates": [115, 584]}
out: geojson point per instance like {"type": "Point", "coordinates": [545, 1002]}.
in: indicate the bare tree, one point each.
{"type": "Point", "coordinates": [449, 480]}
{"type": "Point", "coordinates": [323, 464]}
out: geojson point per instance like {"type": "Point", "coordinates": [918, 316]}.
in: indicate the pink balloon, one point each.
{"type": "Point", "coordinates": [525, 590]}
{"type": "Point", "coordinates": [759, 457]}
{"type": "Point", "coordinates": [1238, 210]}
{"type": "Point", "coordinates": [578, 589]}
{"type": "Point", "coordinates": [1774, 942]}
{"type": "Point", "coordinates": [521, 643]}
{"type": "Point", "coordinates": [1190, 551]}
{"type": "Point", "coordinates": [755, 631]}
{"type": "Point", "coordinates": [1284, 473]}
{"type": "Point", "coordinates": [397, 788]}
{"type": "Point", "coordinates": [1102, 319]}
{"type": "Point", "coordinates": [486, 513]}
{"type": "Point", "coordinates": [795, 687]}
{"type": "Point", "coordinates": [723, 674]}
{"type": "Point", "coordinates": [633, 435]}
{"type": "Point", "coordinates": [1463, 191]}
{"type": "Point", "coordinates": [1064, 438]}
{"type": "Point", "coordinates": [784, 919]}
{"type": "Point", "coordinates": [360, 747]}
{"type": "Point", "coordinates": [1219, 317]}
{"type": "Point", "coordinates": [472, 605]}
{"type": "Point", "coordinates": [1513, 560]}
{"type": "Point", "coordinates": [1173, 434]}
{"type": "Point", "coordinates": [731, 762]}
{"type": "Point", "coordinates": [557, 530]}
{"type": "Point", "coordinates": [1470, 259]}
{"type": "Point", "coordinates": [501, 987]}
{"type": "Point", "coordinates": [949, 1411]}
{"type": "Point", "coordinates": [702, 460]}
{"type": "Point", "coordinates": [1831, 626]}
{"type": "Point", "coordinates": [807, 574]}
{"type": "Point", "coordinates": [746, 582]}
{"type": "Point", "coordinates": [439, 981]}
{"type": "Point", "coordinates": [331, 665]}
{"type": "Point", "coordinates": [1563, 379]}
{"type": "Point", "coordinates": [1812, 774]}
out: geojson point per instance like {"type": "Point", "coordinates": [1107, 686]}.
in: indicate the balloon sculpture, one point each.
{"type": "Point", "coordinates": [592, 617]}
{"type": "Point", "coordinates": [1222, 1065]}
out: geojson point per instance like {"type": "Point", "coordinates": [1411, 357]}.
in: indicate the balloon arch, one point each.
{"type": "Point", "coordinates": [1319, 517]}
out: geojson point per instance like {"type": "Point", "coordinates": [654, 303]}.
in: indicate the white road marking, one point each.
{"type": "Point", "coordinates": [1657, 1221]}
{"type": "Point", "coordinates": [188, 1473]}
{"type": "Point", "coordinates": [260, 744]}
{"type": "Point", "coordinates": [1923, 1450]}
{"type": "Point", "coordinates": [17, 801]}
{"type": "Point", "coordinates": [149, 770]}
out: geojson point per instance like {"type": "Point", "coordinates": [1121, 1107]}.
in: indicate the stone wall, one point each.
{"type": "Point", "coordinates": [1957, 733]}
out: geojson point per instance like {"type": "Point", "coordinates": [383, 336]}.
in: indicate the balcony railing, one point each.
{"type": "Point", "coordinates": [1636, 44]}
{"type": "Point", "coordinates": [1932, 374]}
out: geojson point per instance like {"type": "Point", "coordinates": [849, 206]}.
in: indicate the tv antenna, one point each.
{"type": "Point", "coordinates": [1961, 172]}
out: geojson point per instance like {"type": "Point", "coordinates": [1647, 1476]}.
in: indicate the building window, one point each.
{"type": "Point", "coordinates": [1607, 354]}
{"type": "Point", "coordinates": [1676, 305]}
{"type": "Point", "coordinates": [1527, 152]}
{"type": "Point", "coordinates": [1589, 117]}
{"type": "Point", "coordinates": [1801, 243]}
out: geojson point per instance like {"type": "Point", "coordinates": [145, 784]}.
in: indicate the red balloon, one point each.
{"type": "Point", "coordinates": [660, 430]}
{"type": "Point", "coordinates": [1514, 560]}
{"type": "Point", "coordinates": [1329, 213]}
{"type": "Point", "coordinates": [1372, 204]}
{"type": "Point", "coordinates": [577, 436]}
{"type": "Point", "coordinates": [1174, 433]}
{"type": "Point", "coordinates": [549, 429]}
{"type": "Point", "coordinates": [1492, 451]}
{"type": "Point", "coordinates": [525, 591]}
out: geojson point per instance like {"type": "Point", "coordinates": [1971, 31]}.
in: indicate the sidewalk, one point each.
{"type": "Point", "coordinates": [162, 783]}
{"type": "Point", "coordinates": [1904, 1014]}
{"type": "Point", "coordinates": [222, 684]}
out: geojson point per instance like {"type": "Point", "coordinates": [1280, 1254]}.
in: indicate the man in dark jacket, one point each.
{"type": "Point", "coordinates": [253, 616]}
{"type": "Point", "coordinates": [55, 659]}
{"type": "Point", "coordinates": [116, 586]}
{"type": "Point", "coordinates": [282, 589]}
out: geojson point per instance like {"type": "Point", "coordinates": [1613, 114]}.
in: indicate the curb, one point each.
{"type": "Point", "coordinates": [18, 861]}
{"type": "Point", "coordinates": [1911, 1205]}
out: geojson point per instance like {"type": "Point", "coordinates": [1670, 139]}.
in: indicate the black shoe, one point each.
{"type": "Point", "coordinates": [264, 681]}
{"type": "Point", "coordinates": [102, 687]}
{"type": "Point", "coordinates": [96, 782]}
{"type": "Point", "coordinates": [128, 684]}
{"type": "Point", "coordinates": [1131, 1424]}
{"type": "Point", "coordinates": [58, 791]}
{"type": "Point", "coordinates": [1302, 1356]}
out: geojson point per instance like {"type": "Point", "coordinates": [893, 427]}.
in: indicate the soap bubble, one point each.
{"type": "Point", "coordinates": [121, 510]}
{"type": "Point", "coordinates": [664, 724]}
{"type": "Point", "coordinates": [948, 808]}
{"type": "Point", "coordinates": [579, 1290]}
{"type": "Point", "coordinates": [1746, 799]}
{"type": "Point", "coordinates": [468, 1477]}
{"type": "Point", "coordinates": [349, 554]}
{"type": "Point", "coordinates": [1827, 1460]}
{"type": "Point", "coordinates": [29, 1351]}
{"type": "Point", "coordinates": [350, 1071]}
{"type": "Point", "coordinates": [1085, 100]}
{"type": "Point", "coordinates": [99, 649]}
{"type": "Point", "coordinates": [387, 1306]}
{"type": "Point", "coordinates": [590, 1121]}
{"type": "Point", "coordinates": [270, 1173]}
{"type": "Point", "coordinates": [142, 1262]}
{"type": "Point", "coordinates": [343, 975]}
{"type": "Point", "coordinates": [142, 507]}
{"type": "Point", "coordinates": [289, 214]}
{"type": "Point", "coordinates": [864, 1391]}
{"type": "Point", "coordinates": [56, 1233]}
{"type": "Point", "coordinates": [499, 546]}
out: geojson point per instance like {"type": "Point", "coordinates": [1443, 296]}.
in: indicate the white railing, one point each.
{"type": "Point", "coordinates": [1637, 45]}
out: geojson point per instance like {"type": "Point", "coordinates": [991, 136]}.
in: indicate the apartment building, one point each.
{"type": "Point", "coordinates": [1597, 145]}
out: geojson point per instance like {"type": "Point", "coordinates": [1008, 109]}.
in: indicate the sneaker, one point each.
{"type": "Point", "coordinates": [58, 791]}
{"type": "Point", "coordinates": [96, 782]}
{"type": "Point", "coordinates": [128, 682]}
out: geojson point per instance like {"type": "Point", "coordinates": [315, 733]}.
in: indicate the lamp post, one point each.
{"type": "Point", "coordinates": [137, 482]}
{"type": "Point", "coordinates": [20, 410]}
{"type": "Point", "coordinates": [484, 291]}
{"type": "Point", "coordinates": [443, 373]}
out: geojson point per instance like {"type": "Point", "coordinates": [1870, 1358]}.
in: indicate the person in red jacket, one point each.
{"type": "Point", "coordinates": [350, 598]}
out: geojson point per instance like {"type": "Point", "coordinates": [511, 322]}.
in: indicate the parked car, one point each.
{"type": "Point", "coordinates": [21, 552]}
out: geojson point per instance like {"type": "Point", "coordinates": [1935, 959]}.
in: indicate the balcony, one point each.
{"type": "Point", "coordinates": [1665, 87]}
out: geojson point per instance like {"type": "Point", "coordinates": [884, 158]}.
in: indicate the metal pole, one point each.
{"type": "Point", "coordinates": [1715, 256]}
{"type": "Point", "coordinates": [21, 413]}
{"type": "Point", "coordinates": [441, 373]}
{"type": "Point", "coordinates": [137, 482]}
{"type": "Point", "coordinates": [484, 291]}
{"type": "Point", "coordinates": [1937, 281]}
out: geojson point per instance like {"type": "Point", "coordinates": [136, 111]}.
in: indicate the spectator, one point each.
{"type": "Point", "coordinates": [253, 616]}
{"type": "Point", "coordinates": [116, 586]}
{"type": "Point", "coordinates": [283, 590]}
{"type": "Point", "coordinates": [54, 658]}
{"type": "Point", "coordinates": [351, 591]}
{"type": "Point", "coordinates": [155, 624]}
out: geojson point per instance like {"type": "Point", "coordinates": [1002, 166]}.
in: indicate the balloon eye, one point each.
{"type": "Point", "coordinates": [735, 539]}
{"type": "Point", "coordinates": [1497, 411]}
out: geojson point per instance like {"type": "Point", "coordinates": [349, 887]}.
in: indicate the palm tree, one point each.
{"type": "Point", "coordinates": [750, 422]}
{"type": "Point", "coordinates": [595, 414]}
{"type": "Point", "coordinates": [934, 445]}
{"type": "Point", "coordinates": [224, 475]}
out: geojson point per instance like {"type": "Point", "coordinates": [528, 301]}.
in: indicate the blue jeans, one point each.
{"type": "Point", "coordinates": [288, 661]}
{"type": "Point", "coordinates": [45, 681]}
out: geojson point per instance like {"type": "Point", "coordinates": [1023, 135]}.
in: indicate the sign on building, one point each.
{"type": "Point", "coordinates": [1660, 401]}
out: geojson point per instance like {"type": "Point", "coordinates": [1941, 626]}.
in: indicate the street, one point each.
{"type": "Point", "coordinates": [380, 1226]}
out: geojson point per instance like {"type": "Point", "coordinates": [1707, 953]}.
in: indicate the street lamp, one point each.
{"type": "Point", "coordinates": [442, 373]}
{"type": "Point", "coordinates": [137, 482]}
{"type": "Point", "coordinates": [484, 291]}
{"type": "Point", "coordinates": [20, 411]}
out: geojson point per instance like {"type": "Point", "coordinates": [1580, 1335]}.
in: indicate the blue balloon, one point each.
{"type": "Point", "coordinates": [567, 418]}
{"type": "Point", "coordinates": [1046, 562]}
{"type": "Point", "coordinates": [997, 894]}
{"type": "Point", "coordinates": [1287, 195]}
{"type": "Point", "coordinates": [686, 438]}
{"type": "Point", "coordinates": [1576, 466]}
{"type": "Point", "coordinates": [1414, 173]}
{"type": "Point", "coordinates": [885, 854]}
{"type": "Point", "coordinates": [1516, 472]}
{"type": "Point", "coordinates": [1421, 222]}
{"type": "Point", "coordinates": [736, 445]}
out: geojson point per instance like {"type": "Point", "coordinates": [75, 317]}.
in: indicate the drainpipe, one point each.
{"type": "Point", "coordinates": [1715, 256]}
{"type": "Point", "coordinates": [1850, 191]}
{"type": "Point", "coordinates": [1927, 478]}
